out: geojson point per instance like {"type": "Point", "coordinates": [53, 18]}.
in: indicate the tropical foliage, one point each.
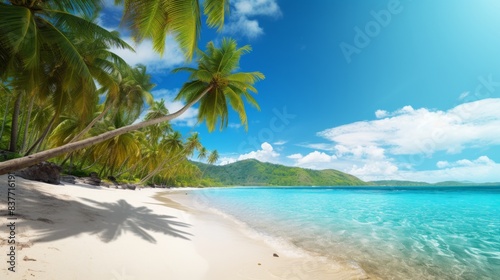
{"type": "Point", "coordinates": [69, 98]}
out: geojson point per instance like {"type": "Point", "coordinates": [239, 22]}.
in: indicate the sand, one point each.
{"type": "Point", "coordinates": [76, 231]}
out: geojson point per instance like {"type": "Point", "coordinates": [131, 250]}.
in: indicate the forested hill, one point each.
{"type": "Point", "coordinates": [252, 172]}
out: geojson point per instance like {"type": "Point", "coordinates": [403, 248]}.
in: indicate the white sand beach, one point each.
{"type": "Point", "coordinates": [75, 231]}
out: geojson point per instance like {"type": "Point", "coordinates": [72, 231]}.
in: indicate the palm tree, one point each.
{"type": "Point", "coordinates": [41, 57]}
{"type": "Point", "coordinates": [202, 153]}
{"type": "Point", "coordinates": [130, 90]}
{"type": "Point", "coordinates": [119, 150]}
{"type": "Point", "coordinates": [213, 157]}
{"type": "Point", "coordinates": [214, 82]}
{"type": "Point", "coordinates": [215, 77]}
{"type": "Point", "coordinates": [155, 132]}
{"type": "Point", "coordinates": [6, 93]}
{"type": "Point", "coordinates": [151, 139]}
{"type": "Point", "coordinates": [155, 19]}
{"type": "Point", "coordinates": [172, 148]}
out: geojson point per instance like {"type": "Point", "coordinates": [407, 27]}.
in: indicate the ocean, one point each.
{"type": "Point", "coordinates": [387, 232]}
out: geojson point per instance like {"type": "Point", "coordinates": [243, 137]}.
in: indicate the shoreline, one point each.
{"type": "Point", "coordinates": [292, 263]}
{"type": "Point", "coordinates": [76, 231]}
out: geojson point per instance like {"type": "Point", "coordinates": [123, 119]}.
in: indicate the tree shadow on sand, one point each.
{"type": "Point", "coordinates": [53, 218]}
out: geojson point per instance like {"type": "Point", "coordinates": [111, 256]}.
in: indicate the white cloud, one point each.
{"type": "Point", "coordinates": [442, 164]}
{"type": "Point", "coordinates": [226, 160]}
{"type": "Point", "coordinates": [423, 131]}
{"type": "Point", "coordinates": [257, 7]}
{"type": "Point", "coordinates": [315, 157]}
{"type": "Point", "coordinates": [370, 152]}
{"type": "Point", "coordinates": [189, 118]}
{"type": "Point", "coordinates": [314, 160]}
{"type": "Point", "coordinates": [381, 114]}
{"type": "Point", "coordinates": [374, 170]}
{"type": "Point", "coordinates": [482, 169]}
{"type": "Point", "coordinates": [266, 154]}
{"type": "Point", "coordinates": [144, 54]}
{"type": "Point", "coordinates": [234, 125]}
{"type": "Point", "coordinates": [295, 156]}
{"type": "Point", "coordinates": [243, 10]}
{"type": "Point", "coordinates": [480, 161]}
{"type": "Point", "coordinates": [319, 146]}
{"type": "Point", "coordinates": [394, 145]}
{"type": "Point", "coordinates": [245, 26]}
{"type": "Point", "coordinates": [280, 143]}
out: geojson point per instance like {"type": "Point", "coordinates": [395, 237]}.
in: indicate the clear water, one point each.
{"type": "Point", "coordinates": [391, 233]}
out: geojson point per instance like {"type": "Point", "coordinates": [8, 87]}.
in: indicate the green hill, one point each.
{"type": "Point", "coordinates": [252, 172]}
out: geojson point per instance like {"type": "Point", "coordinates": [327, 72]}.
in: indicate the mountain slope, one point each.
{"type": "Point", "coordinates": [252, 172]}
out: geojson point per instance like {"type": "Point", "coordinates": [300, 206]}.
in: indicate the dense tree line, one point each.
{"type": "Point", "coordinates": [67, 97]}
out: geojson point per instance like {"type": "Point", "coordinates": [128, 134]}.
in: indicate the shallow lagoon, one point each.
{"type": "Point", "coordinates": [388, 232]}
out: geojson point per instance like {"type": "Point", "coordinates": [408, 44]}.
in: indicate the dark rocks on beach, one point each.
{"type": "Point", "coordinates": [113, 180]}
{"type": "Point", "coordinates": [276, 255]}
{"type": "Point", "coordinates": [68, 179]}
{"type": "Point", "coordinates": [46, 172]}
{"type": "Point", "coordinates": [131, 187]}
{"type": "Point", "coordinates": [93, 180]}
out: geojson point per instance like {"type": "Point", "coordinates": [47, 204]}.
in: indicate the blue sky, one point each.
{"type": "Point", "coordinates": [406, 90]}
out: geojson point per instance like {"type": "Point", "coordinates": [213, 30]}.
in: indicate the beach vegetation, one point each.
{"type": "Point", "coordinates": [68, 98]}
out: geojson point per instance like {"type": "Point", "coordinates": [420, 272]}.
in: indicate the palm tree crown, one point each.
{"type": "Point", "coordinates": [216, 72]}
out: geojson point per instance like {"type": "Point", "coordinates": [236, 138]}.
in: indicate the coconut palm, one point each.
{"type": "Point", "coordinates": [202, 153]}
{"type": "Point", "coordinates": [130, 90]}
{"type": "Point", "coordinates": [213, 157]}
{"type": "Point", "coordinates": [214, 82]}
{"type": "Point", "coordinates": [215, 78]}
{"type": "Point", "coordinates": [119, 150]}
{"type": "Point", "coordinates": [151, 139]}
{"type": "Point", "coordinates": [6, 95]}
{"type": "Point", "coordinates": [155, 132]}
{"type": "Point", "coordinates": [41, 57]}
{"type": "Point", "coordinates": [172, 149]}
{"type": "Point", "coordinates": [155, 19]}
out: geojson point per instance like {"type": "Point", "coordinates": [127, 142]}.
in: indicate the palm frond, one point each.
{"type": "Point", "coordinates": [184, 17]}
{"type": "Point", "coordinates": [216, 11]}
{"type": "Point", "coordinates": [88, 29]}
{"type": "Point", "coordinates": [85, 7]}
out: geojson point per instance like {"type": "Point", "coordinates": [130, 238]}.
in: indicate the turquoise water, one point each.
{"type": "Point", "coordinates": [390, 233]}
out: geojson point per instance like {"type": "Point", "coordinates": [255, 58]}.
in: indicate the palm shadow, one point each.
{"type": "Point", "coordinates": [108, 220]}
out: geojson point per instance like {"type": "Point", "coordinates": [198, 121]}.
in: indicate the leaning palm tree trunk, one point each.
{"type": "Point", "coordinates": [86, 129]}
{"type": "Point", "coordinates": [5, 116]}
{"type": "Point", "coordinates": [27, 123]}
{"type": "Point", "coordinates": [44, 135]}
{"type": "Point", "coordinates": [161, 166]}
{"type": "Point", "coordinates": [14, 130]}
{"type": "Point", "coordinates": [91, 124]}
{"type": "Point", "coordinates": [26, 161]}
